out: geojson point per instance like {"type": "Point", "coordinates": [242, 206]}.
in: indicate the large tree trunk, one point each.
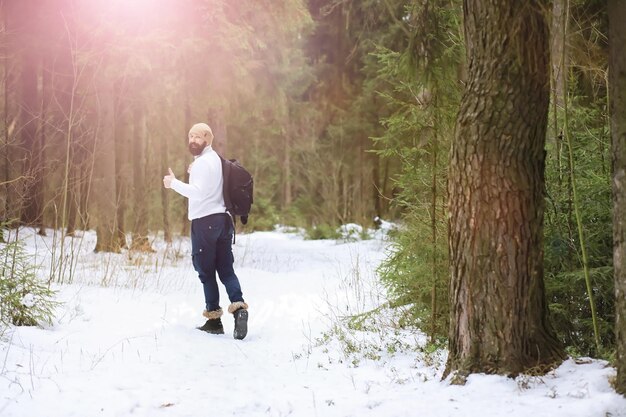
{"type": "Point", "coordinates": [61, 105]}
{"type": "Point", "coordinates": [140, 204]}
{"type": "Point", "coordinates": [617, 93]}
{"type": "Point", "coordinates": [104, 171]}
{"type": "Point", "coordinates": [29, 116]}
{"type": "Point", "coordinates": [496, 189]}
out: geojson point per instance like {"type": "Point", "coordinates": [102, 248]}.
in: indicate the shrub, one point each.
{"type": "Point", "coordinates": [24, 299]}
{"type": "Point", "coordinates": [570, 311]}
{"type": "Point", "coordinates": [322, 231]}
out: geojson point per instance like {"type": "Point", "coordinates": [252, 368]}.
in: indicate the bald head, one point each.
{"type": "Point", "coordinates": [201, 131]}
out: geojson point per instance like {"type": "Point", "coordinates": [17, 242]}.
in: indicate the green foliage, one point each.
{"type": "Point", "coordinates": [591, 147]}
{"type": "Point", "coordinates": [423, 101]}
{"type": "Point", "coordinates": [570, 312]}
{"type": "Point", "coordinates": [411, 276]}
{"type": "Point", "coordinates": [322, 231]}
{"type": "Point", "coordinates": [565, 284]}
{"type": "Point", "coordinates": [263, 215]}
{"type": "Point", "coordinates": [24, 299]}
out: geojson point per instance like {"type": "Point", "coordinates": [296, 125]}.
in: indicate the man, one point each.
{"type": "Point", "coordinates": [211, 232]}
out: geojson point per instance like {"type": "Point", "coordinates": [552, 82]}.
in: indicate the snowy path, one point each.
{"type": "Point", "coordinates": [130, 348]}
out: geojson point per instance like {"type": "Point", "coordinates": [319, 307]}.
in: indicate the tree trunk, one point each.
{"type": "Point", "coordinates": [617, 94]}
{"type": "Point", "coordinates": [85, 185]}
{"type": "Point", "coordinates": [217, 122]}
{"type": "Point", "coordinates": [122, 168]}
{"type": "Point", "coordinates": [62, 105]}
{"type": "Point", "coordinates": [287, 183]}
{"type": "Point", "coordinates": [140, 204]}
{"type": "Point", "coordinates": [104, 170]}
{"type": "Point", "coordinates": [43, 136]}
{"type": "Point", "coordinates": [360, 202]}
{"type": "Point", "coordinates": [496, 188]}
{"type": "Point", "coordinates": [559, 66]}
{"type": "Point", "coordinates": [377, 189]}
{"type": "Point", "coordinates": [72, 198]}
{"type": "Point", "coordinates": [6, 85]}
{"type": "Point", "coordinates": [165, 199]}
{"type": "Point", "coordinates": [558, 51]}
{"type": "Point", "coordinates": [186, 224]}
{"type": "Point", "coordinates": [433, 228]}
{"type": "Point", "coordinates": [29, 116]}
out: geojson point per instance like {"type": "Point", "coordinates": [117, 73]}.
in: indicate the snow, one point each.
{"type": "Point", "coordinates": [123, 342]}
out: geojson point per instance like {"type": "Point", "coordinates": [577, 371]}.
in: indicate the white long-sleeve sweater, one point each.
{"type": "Point", "coordinates": [204, 190]}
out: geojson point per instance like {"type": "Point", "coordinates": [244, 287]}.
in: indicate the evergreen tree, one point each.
{"type": "Point", "coordinates": [423, 103]}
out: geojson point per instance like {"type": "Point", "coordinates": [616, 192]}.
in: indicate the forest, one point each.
{"type": "Point", "coordinates": [492, 132]}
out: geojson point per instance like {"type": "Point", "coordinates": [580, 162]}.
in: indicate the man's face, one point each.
{"type": "Point", "coordinates": [197, 143]}
{"type": "Point", "coordinates": [196, 138]}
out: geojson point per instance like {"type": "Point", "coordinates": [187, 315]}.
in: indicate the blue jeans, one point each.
{"type": "Point", "coordinates": [211, 251]}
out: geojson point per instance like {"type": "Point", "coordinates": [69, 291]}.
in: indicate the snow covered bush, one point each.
{"type": "Point", "coordinates": [24, 299]}
{"type": "Point", "coordinates": [322, 232]}
{"type": "Point", "coordinates": [352, 232]}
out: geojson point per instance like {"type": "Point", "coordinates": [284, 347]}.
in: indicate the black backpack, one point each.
{"type": "Point", "coordinates": [238, 187]}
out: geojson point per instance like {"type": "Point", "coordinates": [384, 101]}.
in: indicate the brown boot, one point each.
{"type": "Point", "coordinates": [214, 324]}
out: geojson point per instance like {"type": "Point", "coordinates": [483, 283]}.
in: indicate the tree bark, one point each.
{"type": "Point", "coordinates": [496, 189]}
{"type": "Point", "coordinates": [617, 94]}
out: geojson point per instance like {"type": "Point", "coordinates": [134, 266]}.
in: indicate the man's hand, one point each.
{"type": "Point", "coordinates": [167, 180]}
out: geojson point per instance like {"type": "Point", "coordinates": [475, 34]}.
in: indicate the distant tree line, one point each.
{"type": "Point", "coordinates": [98, 97]}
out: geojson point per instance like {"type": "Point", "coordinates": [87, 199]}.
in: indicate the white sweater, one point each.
{"type": "Point", "coordinates": [204, 190]}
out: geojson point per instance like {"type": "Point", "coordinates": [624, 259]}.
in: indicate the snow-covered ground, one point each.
{"type": "Point", "coordinates": [124, 343]}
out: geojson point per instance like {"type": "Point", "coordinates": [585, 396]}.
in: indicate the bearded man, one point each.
{"type": "Point", "coordinates": [212, 231]}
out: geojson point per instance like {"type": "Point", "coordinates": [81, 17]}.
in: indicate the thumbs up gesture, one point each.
{"type": "Point", "coordinates": [167, 180]}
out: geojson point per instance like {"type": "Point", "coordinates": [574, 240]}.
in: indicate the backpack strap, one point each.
{"type": "Point", "coordinates": [226, 181]}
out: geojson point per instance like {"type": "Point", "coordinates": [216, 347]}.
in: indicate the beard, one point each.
{"type": "Point", "coordinates": [196, 149]}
